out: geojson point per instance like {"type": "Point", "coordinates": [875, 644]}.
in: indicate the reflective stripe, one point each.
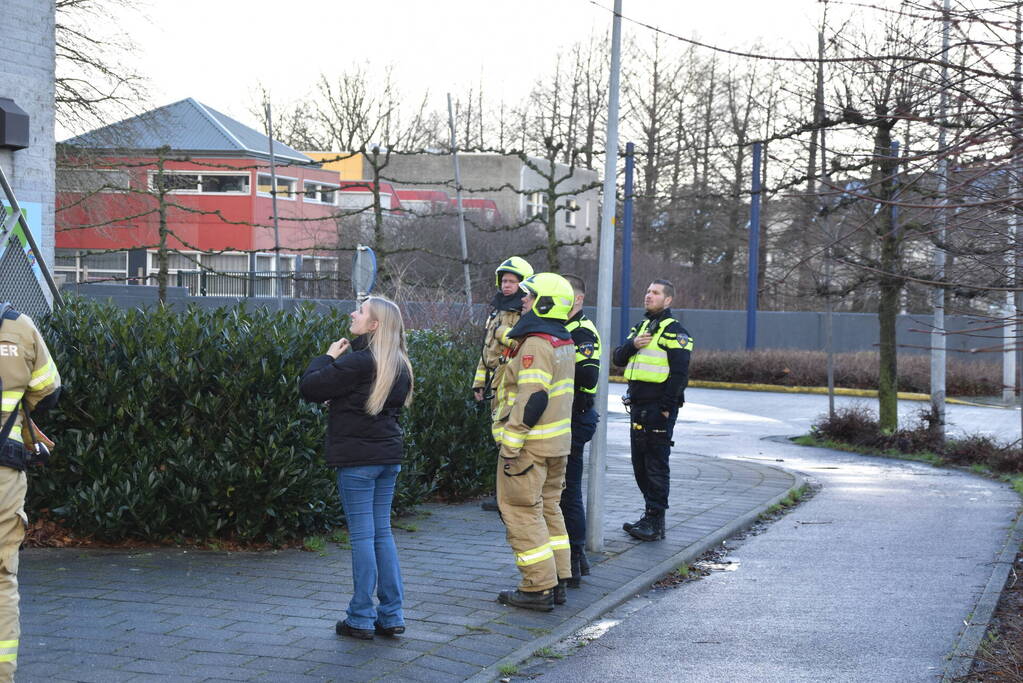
{"type": "Point", "coordinates": [9, 400]}
{"type": "Point", "coordinates": [44, 376]}
{"type": "Point", "coordinates": [559, 543]}
{"type": "Point", "coordinates": [8, 650]}
{"type": "Point", "coordinates": [550, 430]}
{"type": "Point", "coordinates": [513, 439]}
{"type": "Point", "coordinates": [538, 554]}
{"type": "Point", "coordinates": [9, 658]}
{"type": "Point", "coordinates": [535, 375]}
{"type": "Point", "coordinates": [480, 376]}
{"type": "Point", "coordinates": [562, 387]}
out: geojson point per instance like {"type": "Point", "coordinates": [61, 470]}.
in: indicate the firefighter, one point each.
{"type": "Point", "coordinates": [584, 424]}
{"type": "Point", "coordinates": [532, 427]}
{"type": "Point", "coordinates": [28, 381]}
{"type": "Point", "coordinates": [655, 356]}
{"type": "Point", "coordinates": [505, 311]}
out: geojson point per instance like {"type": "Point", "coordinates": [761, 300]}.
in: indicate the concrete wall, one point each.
{"type": "Point", "coordinates": [26, 76]}
{"type": "Point", "coordinates": [716, 330]}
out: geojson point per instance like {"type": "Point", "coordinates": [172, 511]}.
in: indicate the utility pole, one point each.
{"type": "Point", "coordinates": [461, 209]}
{"type": "Point", "coordinates": [623, 308]}
{"type": "Point", "coordinates": [938, 338]}
{"type": "Point", "coordinates": [273, 202]}
{"type": "Point", "coordinates": [598, 448]}
{"type": "Point", "coordinates": [825, 216]}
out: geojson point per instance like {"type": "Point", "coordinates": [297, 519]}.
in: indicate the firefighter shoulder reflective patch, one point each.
{"type": "Point", "coordinates": [527, 362]}
{"type": "Point", "coordinates": [586, 349]}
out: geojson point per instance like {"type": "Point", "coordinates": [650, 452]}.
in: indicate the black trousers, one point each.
{"type": "Point", "coordinates": [651, 445]}
{"type": "Point", "coordinates": [572, 509]}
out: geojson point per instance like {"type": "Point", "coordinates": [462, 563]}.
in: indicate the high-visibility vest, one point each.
{"type": "Point", "coordinates": [650, 363]}
{"type": "Point", "coordinates": [587, 324]}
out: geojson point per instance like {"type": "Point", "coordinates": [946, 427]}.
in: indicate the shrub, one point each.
{"type": "Point", "coordinates": [189, 425]}
{"type": "Point", "coordinates": [792, 367]}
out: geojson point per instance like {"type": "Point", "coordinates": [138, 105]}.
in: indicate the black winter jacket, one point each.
{"type": "Point", "coordinates": [354, 437]}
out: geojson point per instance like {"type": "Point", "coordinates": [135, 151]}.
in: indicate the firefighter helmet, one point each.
{"type": "Point", "coordinates": [516, 265]}
{"type": "Point", "coordinates": [554, 295]}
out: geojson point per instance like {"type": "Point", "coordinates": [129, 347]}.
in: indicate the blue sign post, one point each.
{"type": "Point", "coordinates": [754, 253]}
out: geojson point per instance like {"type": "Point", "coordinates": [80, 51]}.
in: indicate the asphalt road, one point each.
{"type": "Point", "coordinates": [870, 580]}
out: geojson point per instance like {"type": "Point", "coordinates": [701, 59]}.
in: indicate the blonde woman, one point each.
{"type": "Point", "coordinates": [367, 382]}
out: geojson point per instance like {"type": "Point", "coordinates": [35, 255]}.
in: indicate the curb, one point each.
{"type": "Point", "coordinates": [638, 584]}
{"type": "Point", "coordinates": [965, 650]}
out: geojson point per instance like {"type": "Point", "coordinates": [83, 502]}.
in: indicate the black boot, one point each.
{"type": "Point", "coordinates": [576, 571]}
{"type": "Point", "coordinates": [541, 601]}
{"type": "Point", "coordinates": [650, 528]}
{"type": "Point", "coordinates": [628, 525]}
{"type": "Point", "coordinates": [561, 592]}
{"type": "Point", "coordinates": [584, 564]}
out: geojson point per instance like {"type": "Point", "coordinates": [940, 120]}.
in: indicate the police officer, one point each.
{"type": "Point", "coordinates": [505, 311]}
{"type": "Point", "coordinates": [29, 382]}
{"type": "Point", "coordinates": [656, 360]}
{"type": "Point", "coordinates": [532, 427]}
{"type": "Point", "coordinates": [584, 424]}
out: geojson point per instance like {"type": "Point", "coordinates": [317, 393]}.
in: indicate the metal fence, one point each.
{"type": "Point", "coordinates": [291, 284]}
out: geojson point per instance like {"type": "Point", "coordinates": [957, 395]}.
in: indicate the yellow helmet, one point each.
{"type": "Point", "coordinates": [554, 295]}
{"type": "Point", "coordinates": [516, 265]}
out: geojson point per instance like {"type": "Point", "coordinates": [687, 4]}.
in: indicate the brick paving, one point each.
{"type": "Point", "coordinates": [186, 615]}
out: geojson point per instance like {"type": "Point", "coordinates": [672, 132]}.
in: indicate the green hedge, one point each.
{"type": "Point", "coordinates": [188, 425]}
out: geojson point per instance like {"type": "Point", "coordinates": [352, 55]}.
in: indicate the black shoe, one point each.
{"type": "Point", "coordinates": [561, 592]}
{"type": "Point", "coordinates": [489, 504]}
{"type": "Point", "coordinates": [628, 525]}
{"type": "Point", "coordinates": [387, 630]}
{"type": "Point", "coordinates": [584, 564]}
{"type": "Point", "coordinates": [541, 601]}
{"type": "Point", "coordinates": [650, 528]}
{"type": "Point", "coordinates": [344, 629]}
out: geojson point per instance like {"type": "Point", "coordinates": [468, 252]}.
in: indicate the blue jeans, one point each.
{"type": "Point", "coordinates": [366, 494]}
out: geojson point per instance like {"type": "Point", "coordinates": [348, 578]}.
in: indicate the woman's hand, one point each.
{"type": "Point", "coordinates": [338, 347]}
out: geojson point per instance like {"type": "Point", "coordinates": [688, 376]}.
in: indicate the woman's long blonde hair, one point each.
{"type": "Point", "coordinates": [387, 344]}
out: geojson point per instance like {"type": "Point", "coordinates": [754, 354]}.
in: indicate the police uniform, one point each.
{"type": "Point", "coordinates": [657, 375]}
{"type": "Point", "coordinates": [30, 381]}
{"type": "Point", "coordinates": [532, 427]}
{"type": "Point", "coordinates": [584, 424]}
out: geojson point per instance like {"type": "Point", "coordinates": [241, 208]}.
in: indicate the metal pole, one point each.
{"type": "Point", "coordinates": [273, 202]}
{"type": "Point", "coordinates": [938, 339]}
{"type": "Point", "coordinates": [1009, 339]}
{"type": "Point", "coordinates": [598, 449]}
{"type": "Point", "coordinates": [623, 315]}
{"type": "Point", "coordinates": [458, 199]}
{"type": "Point", "coordinates": [754, 253]}
{"type": "Point", "coordinates": [818, 118]}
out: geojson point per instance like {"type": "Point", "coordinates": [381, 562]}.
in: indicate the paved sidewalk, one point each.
{"type": "Point", "coordinates": [100, 615]}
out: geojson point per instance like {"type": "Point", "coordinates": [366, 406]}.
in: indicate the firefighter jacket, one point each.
{"type": "Point", "coordinates": [587, 360]}
{"type": "Point", "coordinates": [533, 404]}
{"type": "Point", "coordinates": [659, 372]}
{"type": "Point", "coordinates": [504, 313]}
{"type": "Point", "coordinates": [354, 437]}
{"type": "Point", "coordinates": [27, 372]}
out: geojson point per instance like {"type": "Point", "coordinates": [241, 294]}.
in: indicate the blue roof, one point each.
{"type": "Point", "coordinates": [185, 126]}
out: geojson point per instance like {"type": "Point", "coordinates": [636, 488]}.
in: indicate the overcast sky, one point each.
{"type": "Point", "coordinates": [218, 50]}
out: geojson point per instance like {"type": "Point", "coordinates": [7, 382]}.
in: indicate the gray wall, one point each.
{"type": "Point", "coordinates": [718, 330]}
{"type": "Point", "coordinates": [26, 76]}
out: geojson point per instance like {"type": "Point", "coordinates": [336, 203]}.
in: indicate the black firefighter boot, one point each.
{"type": "Point", "coordinates": [541, 601]}
{"type": "Point", "coordinates": [650, 528]}
{"type": "Point", "coordinates": [561, 592]}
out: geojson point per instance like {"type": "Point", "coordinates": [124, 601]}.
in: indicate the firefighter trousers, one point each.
{"type": "Point", "coordinates": [13, 487]}
{"type": "Point", "coordinates": [529, 498]}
